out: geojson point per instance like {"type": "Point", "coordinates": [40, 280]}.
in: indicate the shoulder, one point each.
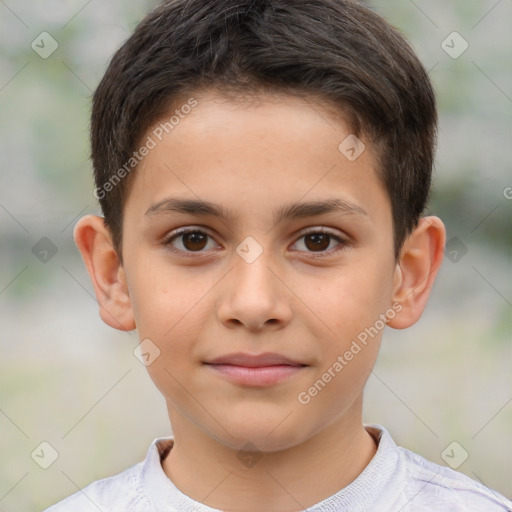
{"type": "Point", "coordinates": [117, 493]}
{"type": "Point", "coordinates": [124, 492]}
{"type": "Point", "coordinates": [443, 487]}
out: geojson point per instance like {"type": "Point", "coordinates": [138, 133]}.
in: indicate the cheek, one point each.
{"type": "Point", "coordinates": [350, 300]}
{"type": "Point", "coordinates": [165, 300]}
{"type": "Point", "coordinates": [171, 308]}
{"type": "Point", "coordinates": [171, 311]}
{"type": "Point", "coordinates": [349, 334]}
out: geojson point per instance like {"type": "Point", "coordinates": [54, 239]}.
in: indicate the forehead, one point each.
{"type": "Point", "coordinates": [249, 154]}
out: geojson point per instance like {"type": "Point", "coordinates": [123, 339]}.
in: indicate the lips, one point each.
{"type": "Point", "coordinates": [255, 361]}
{"type": "Point", "coordinates": [253, 370]}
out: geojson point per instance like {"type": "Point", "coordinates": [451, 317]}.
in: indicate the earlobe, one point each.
{"type": "Point", "coordinates": [419, 262]}
{"type": "Point", "coordinates": [94, 242]}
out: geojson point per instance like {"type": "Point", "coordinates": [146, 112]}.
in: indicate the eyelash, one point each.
{"type": "Point", "coordinates": [167, 242]}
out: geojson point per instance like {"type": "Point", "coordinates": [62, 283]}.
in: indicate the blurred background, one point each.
{"type": "Point", "coordinates": [443, 387]}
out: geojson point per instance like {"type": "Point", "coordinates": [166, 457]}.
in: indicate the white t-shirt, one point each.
{"type": "Point", "coordinates": [395, 480]}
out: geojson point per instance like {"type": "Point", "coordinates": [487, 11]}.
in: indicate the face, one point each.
{"type": "Point", "coordinates": [248, 231]}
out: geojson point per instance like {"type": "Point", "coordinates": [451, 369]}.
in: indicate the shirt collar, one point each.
{"type": "Point", "coordinates": [358, 496]}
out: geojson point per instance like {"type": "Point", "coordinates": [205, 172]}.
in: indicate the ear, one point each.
{"type": "Point", "coordinates": [94, 242]}
{"type": "Point", "coordinates": [420, 259]}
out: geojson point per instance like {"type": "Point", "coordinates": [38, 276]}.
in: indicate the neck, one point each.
{"type": "Point", "coordinates": [283, 481]}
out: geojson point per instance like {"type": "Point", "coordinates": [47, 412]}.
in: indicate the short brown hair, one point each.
{"type": "Point", "coordinates": [337, 50]}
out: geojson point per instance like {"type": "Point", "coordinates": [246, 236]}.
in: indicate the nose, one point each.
{"type": "Point", "coordinates": [255, 296]}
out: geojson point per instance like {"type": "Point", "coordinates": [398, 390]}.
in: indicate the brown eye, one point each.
{"type": "Point", "coordinates": [194, 241]}
{"type": "Point", "coordinates": [189, 241]}
{"type": "Point", "coordinates": [317, 241]}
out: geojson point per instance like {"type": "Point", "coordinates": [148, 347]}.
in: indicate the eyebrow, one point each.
{"type": "Point", "coordinates": [287, 211]}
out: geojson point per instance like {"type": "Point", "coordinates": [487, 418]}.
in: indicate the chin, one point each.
{"type": "Point", "coordinates": [267, 432]}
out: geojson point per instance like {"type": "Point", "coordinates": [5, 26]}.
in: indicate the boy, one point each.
{"type": "Point", "coordinates": [263, 167]}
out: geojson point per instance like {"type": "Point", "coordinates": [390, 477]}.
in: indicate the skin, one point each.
{"type": "Point", "coordinates": [253, 159]}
